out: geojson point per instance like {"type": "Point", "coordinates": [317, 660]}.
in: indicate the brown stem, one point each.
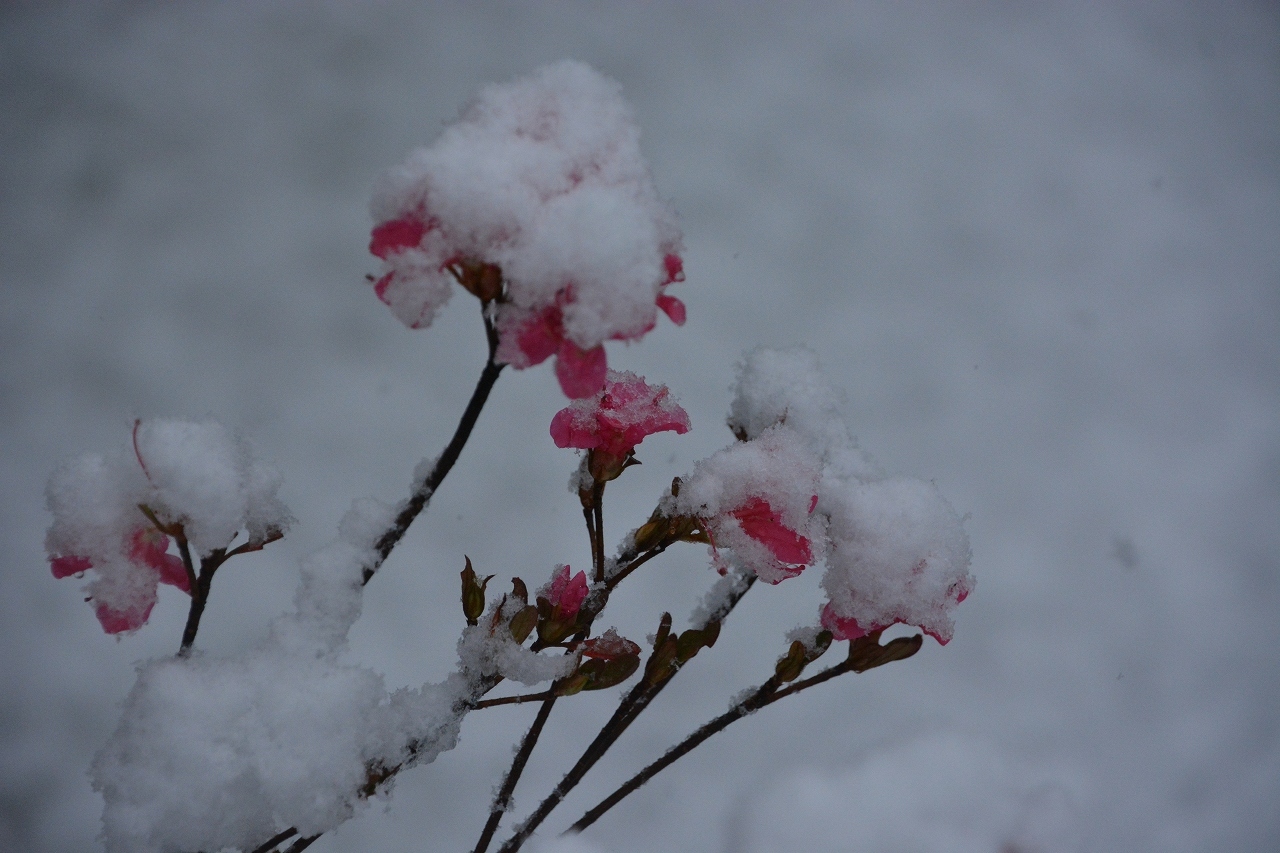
{"type": "Point", "coordinates": [597, 543]}
{"type": "Point", "coordinates": [513, 700]}
{"type": "Point", "coordinates": [755, 701]}
{"type": "Point", "coordinates": [274, 840]}
{"type": "Point", "coordinates": [418, 500]}
{"type": "Point", "coordinates": [632, 705]}
{"type": "Point", "coordinates": [618, 576]}
{"type": "Point", "coordinates": [502, 802]}
{"type": "Point", "coordinates": [200, 586]}
{"type": "Point", "coordinates": [865, 653]}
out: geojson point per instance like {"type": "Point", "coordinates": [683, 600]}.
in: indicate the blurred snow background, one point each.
{"type": "Point", "coordinates": [1036, 245]}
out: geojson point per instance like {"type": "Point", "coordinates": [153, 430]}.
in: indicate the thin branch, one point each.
{"type": "Point", "coordinates": [200, 586]}
{"type": "Point", "coordinates": [755, 701]}
{"type": "Point", "coordinates": [513, 700]}
{"type": "Point", "coordinates": [631, 706]}
{"type": "Point", "coordinates": [618, 576]}
{"type": "Point", "coordinates": [864, 654]}
{"type": "Point", "coordinates": [597, 543]}
{"type": "Point", "coordinates": [418, 500]}
{"type": "Point", "coordinates": [502, 802]}
{"type": "Point", "coordinates": [274, 840]}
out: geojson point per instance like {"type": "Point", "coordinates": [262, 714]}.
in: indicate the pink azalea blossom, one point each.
{"type": "Point", "coordinates": [848, 628]}
{"type": "Point", "coordinates": [397, 235]}
{"type": "Point", "coordinates": [618, 417]}
{"type": "Point", "coordinates": [148, 552]}
{"type": "Point", "coordinates": [567, 593]}
{"type": "Point", "coordinates": [762, 523]}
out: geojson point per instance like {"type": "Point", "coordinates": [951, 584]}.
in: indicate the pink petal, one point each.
{"type": "Point", "coordinates": [673, 308]}
{"type": "Point", "coordinates": [567, 592]}
{"type": "Point", "coordinates": [760, 522]}
{"type": "Point", "coordinates": [581, 372]}
{"type": "Point", "coordinates": [150, 548]}
{"type": "Point", "coordinates": [396, 235]}
{"type": "Point", "coordinates": [674, 266]}
{"type": "Point", "coordinates": [116, 622]}
{"type": "Point", "coordinates": [540, 337]}
{"type": "Point", "coordinates": [844, 627]}
{"type": "Point", "coordinates": [65, 567]}
{"type": "Point", "coordinates": [619, 417]}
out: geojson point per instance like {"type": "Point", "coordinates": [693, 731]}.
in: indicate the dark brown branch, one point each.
{"type": "Point", "coordinates": [502, 802]}
{"type": "Point", "coordinates": [632, 705]}
{"type": "Point", "coordinates": [274, 840]}
{"type": "Point", "coordinates": [864, 654]}
{"type": "Point", "coordinates": [513, 700]}
{"type": "Point", "coordinates": [418, 500]}
{"type": "Point", "coordinates": [200, 586]}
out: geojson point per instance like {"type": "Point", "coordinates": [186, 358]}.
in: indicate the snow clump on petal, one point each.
{"type": "Point", "coordinates": [756, 499]}
{"type": "Point", "coordinates": [898, 554]}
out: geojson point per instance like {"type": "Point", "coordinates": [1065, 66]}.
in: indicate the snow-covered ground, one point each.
{"type": "Point", "coordinates": [1036, 246]}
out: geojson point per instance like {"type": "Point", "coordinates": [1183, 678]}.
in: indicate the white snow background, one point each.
{"type": "Point", "coordinates": [1035, 244]}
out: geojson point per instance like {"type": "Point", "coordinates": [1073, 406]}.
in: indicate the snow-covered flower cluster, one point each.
{"type": "Point", "coordinates": [115, 515]}
{"type": "Point", "coordinates": [537, 202]}
{"type": "Point", "coordinates": [539, 186]}
{"type": "Point", "coordinates": [796, 489]}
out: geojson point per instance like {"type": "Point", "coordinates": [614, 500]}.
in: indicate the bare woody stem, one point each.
{"type": "Point", "coordinates": [632, 705]}
{"type": "Point", "coordinates": [418, 500]}
{"type": "Point", "coordinates": [863, 655]}
{"type": "Point", "coordinates": [502, 801]}
{"type": "Point", "coordinates": [594, 516]}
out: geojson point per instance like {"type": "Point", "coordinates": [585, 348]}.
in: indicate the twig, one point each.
{"type": "Point", "coordinates": [632, 705]}
{"type": "Point", "coordinates": [502, 801]}
{"type": "Point", "coordinates": [513, 700]}
{"type": "Point", "coordinates": [418, 500]}
{"type": "Point", "coordinates": [863, 655]}
{"type": "Point", "coordinates": [200, 586]}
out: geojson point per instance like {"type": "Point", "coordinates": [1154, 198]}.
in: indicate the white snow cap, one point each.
{"type": "Point", "coordinates": [786, 386]}
{"type": "Point", "coordinates": [543, 177]}
{"type": "Point", "coordinates": [898, 553]}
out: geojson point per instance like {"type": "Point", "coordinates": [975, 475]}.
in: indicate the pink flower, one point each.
{"type": "Point", "coordinates": [669, 305]}
{"type": "Point", "coordinates": [148, 552]}
{"type": "Point", "coordinates": [393, 238]}
{"type": "Point", "coordinates": [534, 339]}
{"type": "Point", "coordinates": [397, 235]}
{"type": "Point", "coordinates": [150, 547]}
{"type": "Point", "coordinates": [763, 524]}
{"type": "Point", "coordinates": [566, 593]}
{"type": "Point", "coordinates": [848, 628]}
{"type": "Point", "coordinates": [618, 417]}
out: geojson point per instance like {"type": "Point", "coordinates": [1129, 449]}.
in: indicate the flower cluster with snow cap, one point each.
{"type": "Point", "coordinates": [796, 488]}
{"type": "Point", "coordinates": [541, 179]}
{"type": "Point", "coordinates": [116, 515]}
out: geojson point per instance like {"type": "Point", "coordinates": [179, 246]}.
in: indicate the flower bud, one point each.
{"type": "Point", "coordinates": [472, 594]}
